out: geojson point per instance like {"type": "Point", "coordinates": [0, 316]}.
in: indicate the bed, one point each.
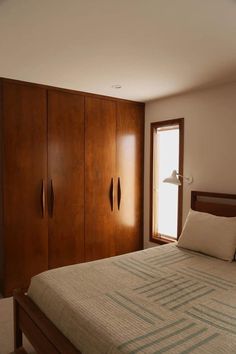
{"type": "Point", "coordinates": [160, 300]}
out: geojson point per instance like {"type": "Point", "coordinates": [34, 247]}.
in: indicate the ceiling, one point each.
{"type": "Point", "coordinates": [152, 48]}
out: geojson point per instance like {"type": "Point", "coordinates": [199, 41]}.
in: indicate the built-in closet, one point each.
{"type": "Point", "coordinates": [71, 182]}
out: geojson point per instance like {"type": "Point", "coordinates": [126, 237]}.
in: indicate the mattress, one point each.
{"type": "Point", "coordinates": [160, 300]}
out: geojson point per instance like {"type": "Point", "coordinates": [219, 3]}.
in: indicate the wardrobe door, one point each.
{"type": "Point", "coordinates": [24, 176]}
{"type": "Point", "coordinates": [130, 132]}
{"type": "Point", "coordinates": [100, 156]}
{"type": "Point", "coordinates": [65, 178]}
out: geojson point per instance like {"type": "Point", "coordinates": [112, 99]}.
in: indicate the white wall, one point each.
{"type": "Point", "coordinates": [209, 141]}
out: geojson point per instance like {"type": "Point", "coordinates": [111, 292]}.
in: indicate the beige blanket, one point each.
{"type": "Point", "coordinates": [160, 300]}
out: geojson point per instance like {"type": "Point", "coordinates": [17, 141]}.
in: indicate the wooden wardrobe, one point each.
{"type": "Point", "coordinates": [71, 182]}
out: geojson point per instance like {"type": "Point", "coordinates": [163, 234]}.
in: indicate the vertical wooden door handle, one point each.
{"type": "Point", "coordinates": [118, 193]}
{"type": "Point", "coordinates": [52, 198]}
{"type": "Point", "coordinates": [43, 199]}
{"type": "Point", "coordinates": [112, 194]}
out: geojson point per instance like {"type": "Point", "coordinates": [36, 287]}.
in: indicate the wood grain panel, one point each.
{"type": "Point", "coordinates": [65, 178]}
{"type": "Point", "coordinates": [100, 166]}
{"type": "Point", "coordinates": [87, 94]}
{"type": "Point", "coordinates": [24, 169]}
{"type": "Point", "coordinates": [130, 132]}
{"type": "Point", "coordinates": [220, 204]}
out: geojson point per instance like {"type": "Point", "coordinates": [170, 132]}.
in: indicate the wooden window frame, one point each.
{"type": "Point", "coordinates": [180, 122]}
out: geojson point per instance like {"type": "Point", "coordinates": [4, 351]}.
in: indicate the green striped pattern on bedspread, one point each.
{"type": "Point", "coordinates": [160, 300]}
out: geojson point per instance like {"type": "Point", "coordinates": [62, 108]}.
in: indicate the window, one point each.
{"type": "Point", "coordinates": [166, 199]}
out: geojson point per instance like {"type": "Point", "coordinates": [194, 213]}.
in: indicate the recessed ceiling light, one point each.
{"type": "Point", "coordinates": [116, 86]}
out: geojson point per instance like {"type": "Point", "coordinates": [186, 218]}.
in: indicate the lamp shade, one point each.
{"type": "Point", "coordinates": [173, 179]}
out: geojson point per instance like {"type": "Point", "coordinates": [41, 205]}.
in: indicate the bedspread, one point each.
{"type": "Point", "coordinates": [160, 300]}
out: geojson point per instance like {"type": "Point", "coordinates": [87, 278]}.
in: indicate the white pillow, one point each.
{"type": "Point", "coordinates": [209, 234]}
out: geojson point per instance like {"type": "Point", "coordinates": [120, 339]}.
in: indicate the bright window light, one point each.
{"type": "Point", "coordinates": [165, 196]}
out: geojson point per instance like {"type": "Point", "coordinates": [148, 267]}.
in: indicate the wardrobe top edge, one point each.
{"type": "Point", "coordinates": [80, 93]}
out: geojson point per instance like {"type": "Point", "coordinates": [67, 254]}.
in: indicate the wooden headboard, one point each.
{"type": "Point", "coordinates": [214, 203]}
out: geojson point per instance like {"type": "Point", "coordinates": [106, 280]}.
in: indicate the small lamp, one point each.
{"type": "Point", "coordinates": [174, 179]}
